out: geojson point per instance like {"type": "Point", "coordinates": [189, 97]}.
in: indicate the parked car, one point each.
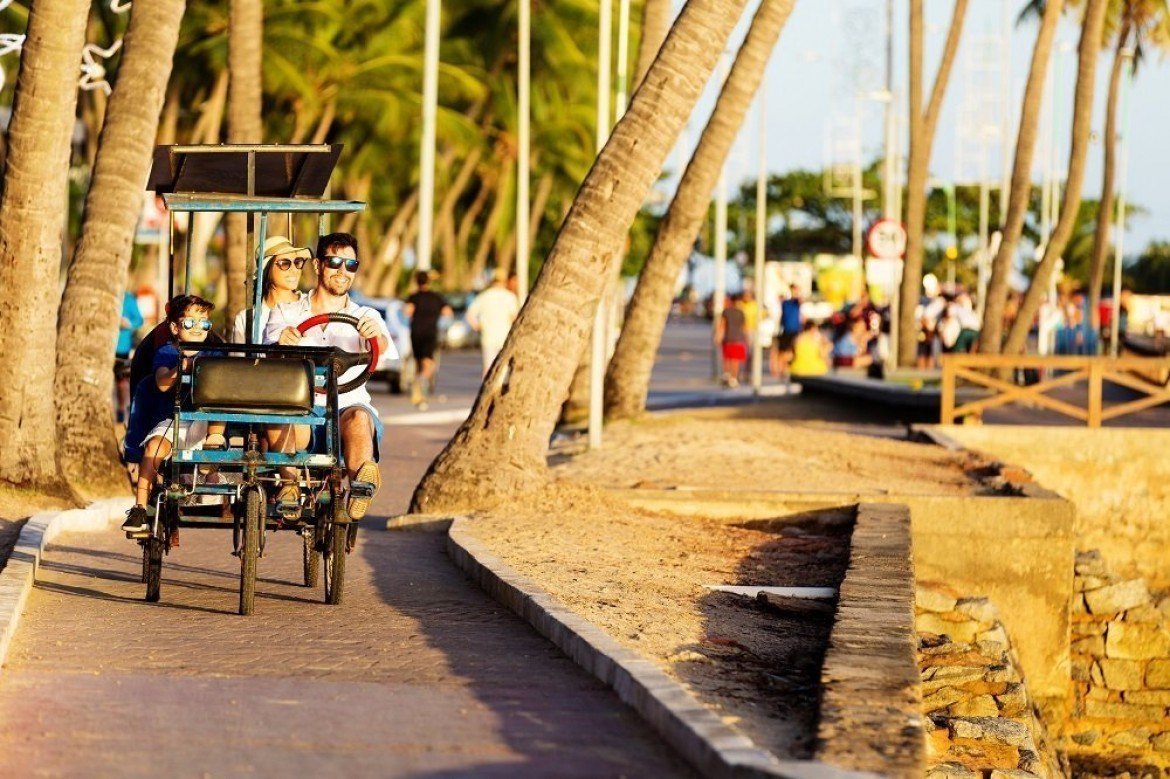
{"type": "Point", "coordinates": [397, 372]}
{"type": "Point", "coordinates": [454, 331]}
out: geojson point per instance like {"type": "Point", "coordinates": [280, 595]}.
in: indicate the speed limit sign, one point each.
{"type": "Point", "coordinates": [886, 240]}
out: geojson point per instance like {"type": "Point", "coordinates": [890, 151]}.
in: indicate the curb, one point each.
{"type": "Point", "coordinates": [420, 523]}
{"type": "Point", "coordinates": [16, 580]}
{"type": "Point", "coordinates": [696, 733]}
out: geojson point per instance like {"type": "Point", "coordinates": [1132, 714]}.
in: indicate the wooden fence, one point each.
{"type": "Point", "coordinates": [1145, 375]}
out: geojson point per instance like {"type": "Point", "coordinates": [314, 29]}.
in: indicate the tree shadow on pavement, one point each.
{"type": "Point", "coordinates": [547, 712]}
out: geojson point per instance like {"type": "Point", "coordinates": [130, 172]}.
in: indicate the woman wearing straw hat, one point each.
{"type": "Point", "coordinates": [282, 276]}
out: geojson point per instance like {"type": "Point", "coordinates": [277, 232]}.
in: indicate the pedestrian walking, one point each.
{"type": "Point", "coordinates": [731, 338]}
{"type": "Point", "coordinates": [424, 309]}
{"type": "Point", "coordinates": [491, 315]}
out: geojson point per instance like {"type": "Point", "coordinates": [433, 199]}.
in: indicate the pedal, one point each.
{"type": "Point", "coordinates": [289, 511]}
{"type": "Point", "coordinates": [362, 489]}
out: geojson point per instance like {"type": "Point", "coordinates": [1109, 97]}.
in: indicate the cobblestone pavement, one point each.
{"type": "Point", "coordinates": [417, 673]}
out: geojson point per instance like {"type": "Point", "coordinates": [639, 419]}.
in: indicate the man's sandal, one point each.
{"type": "Point", "coordinates": [362, 488]}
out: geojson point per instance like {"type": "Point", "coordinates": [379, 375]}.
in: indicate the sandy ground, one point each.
{"type": "Point", "coordinates": [639, 574]}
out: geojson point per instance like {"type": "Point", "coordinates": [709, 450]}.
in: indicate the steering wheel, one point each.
{"type": "Point", "coordinates": [346, 360]}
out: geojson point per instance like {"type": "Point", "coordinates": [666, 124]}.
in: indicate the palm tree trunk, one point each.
{"type": "Point", "coordinates": [92, 302]}
{"type": "Point", "coordinates": [32, 218]}
{"type": "Point", "coordinates": [923, 122]}
{"type": "Point", "coordinates": [488, 236]}
{"type": "Point", "coordinates": [501, 447]}
{"type": "Point", "coordinates": [1087, 56]}
{"type": "Point", "coordinates": [245, 125]}
{"type": "Point", "coordinates": [1020, 195]}
{"type": "Point", "coordinates": [1105, 206]}
{"type": "Point", "coordinates": [655, 23]}
{"type": "Point", "coordinates": [627, 379]}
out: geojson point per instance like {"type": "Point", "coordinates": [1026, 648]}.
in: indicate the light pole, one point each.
{"type": "Point", "coordinates": [524, 65]}
{"type": "Point", "coordinates": [761, 238]}
{"type": "Point", "coordinates": [597, 343]}
{"type": "Point", "coordinates": [426, 177]}
{"type": "Point", "coordinates": [1122, 175]}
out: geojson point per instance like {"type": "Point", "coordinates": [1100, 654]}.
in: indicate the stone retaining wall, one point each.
{"type": "Point", "coordinates": [982, 720]}
{"type": "Point", "coordinates": [1121, 673]}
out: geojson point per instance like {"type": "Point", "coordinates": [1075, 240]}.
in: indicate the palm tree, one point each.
{"type": "Point", "coordinates": [245, 125]}
{"type": "Point", "coordinates": [32, 219]}
{"type": "Point", "coordinates": [1092, 30]}
{"type": "Point", "coordinates": [501, 447]}
{"type": "Point", "coordinates": [627, 379]}
{"type": "Point", "coordinates": [1019, 196]}
{"type": "Point", "coordinates": [923, 121]}
{"type": "Point", "coordinates": [91, 303]}
{"type": "Point", "coordinates": [1138, 21]}
{"type": "Point", "coordinates": [655, 23]}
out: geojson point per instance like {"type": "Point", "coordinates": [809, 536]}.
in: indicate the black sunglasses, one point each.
{"type": "Point", "coordinates": [284, 263]}
{"type": "Point", "coordinates": [190, 323]}
{"type": "Point", "coordinates": [333, 261]}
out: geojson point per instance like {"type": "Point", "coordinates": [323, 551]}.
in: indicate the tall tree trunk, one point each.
{"type": "Point", "coordinates": [1020, 195]}
{"type": "Point", "coordinates": [32, 219]}
{"type": "Point", "coordinates": [627, 379]}
{"type": "Point", "coordinates": [245, 66]}
{"type": "Point", "coordinates": [1105, 207]}
{"type": "Point", "coordinates": [501, 447]}
{"type": "Point", "coordinates": [92, 303]}
{"type": "Point", "coordinates": [655, 23]}
{"type": "Point", "coordinates": [1087, 55]}
{"type": "Point", "coordinates": [923, 121]}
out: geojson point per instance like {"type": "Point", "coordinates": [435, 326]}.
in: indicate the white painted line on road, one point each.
{"type": "Point", "coordinates": [429, 417]}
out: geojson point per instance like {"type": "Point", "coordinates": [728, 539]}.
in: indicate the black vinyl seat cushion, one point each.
{"type": "Point", "coordinates": [272, 385]}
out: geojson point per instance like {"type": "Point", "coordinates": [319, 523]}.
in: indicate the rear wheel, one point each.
{"type": "Point", "coordinates": [334, 558]}
{"type": "Point", "coordinates": [250, 549]}
{"type": "Point", "coordinates": [311, 558]}
{"type": "Point", "coordinates": [152, 555]}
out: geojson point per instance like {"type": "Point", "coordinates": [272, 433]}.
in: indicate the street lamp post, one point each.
{"type": "Point", "coordinates": [1122, 175]}
{"type": "Point", "coordinates": [426, 184]}
{"type": "Point", "coordinates": [523, 142]}
{"type": "Point", "coordinates": [597, 344]}
{"type": "Point", "coordinates": [761, 237]}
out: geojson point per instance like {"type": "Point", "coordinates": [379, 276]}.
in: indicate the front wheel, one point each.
{"type": "Point", "coordinates": [152, 555]}
{"type": "Point", "coordinates": [334, 558]}
{"type": "Point", "coordinates": [311, 559]}
{"type": "Point", "coordinates": [250, 549]}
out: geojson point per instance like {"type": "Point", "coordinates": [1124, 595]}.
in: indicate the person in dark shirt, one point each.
{"type": "Point", "coordinates": [424, 309]}
{"type": "Point", "coordinates": [731, 337]}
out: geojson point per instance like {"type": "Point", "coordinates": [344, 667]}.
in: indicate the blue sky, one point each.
{"type": "Point", "coordinates": [829, 44]}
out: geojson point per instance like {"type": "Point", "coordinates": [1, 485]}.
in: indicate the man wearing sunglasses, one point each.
{"type": "Point", "coordinates": [336, 266]}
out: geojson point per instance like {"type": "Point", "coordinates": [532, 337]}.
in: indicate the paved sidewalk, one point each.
{"type": "Point", "coordinates": [418, 673]}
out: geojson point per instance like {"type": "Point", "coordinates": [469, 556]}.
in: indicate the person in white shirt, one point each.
{"type": "Point", "coordinates": [282, 276]}
{"type": "Point", "coordinates": [361, 429]}
{"type": "Point", "coordinates": [491, 315]}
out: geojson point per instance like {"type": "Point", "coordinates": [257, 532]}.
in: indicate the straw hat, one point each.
{"type": "Point", "coordinates": [279, 246]}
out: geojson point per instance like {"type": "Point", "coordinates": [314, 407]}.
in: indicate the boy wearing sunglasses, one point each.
{"type": "Point", "coordinates": [189, 323]}
{"type": "Point", "coordinates": [336, 265]}
{"type": "Point", "coordinates": [281, 278]}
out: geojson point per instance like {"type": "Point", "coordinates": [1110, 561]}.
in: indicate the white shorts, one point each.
{"type": "Point", "coordinates": [191, 434]}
